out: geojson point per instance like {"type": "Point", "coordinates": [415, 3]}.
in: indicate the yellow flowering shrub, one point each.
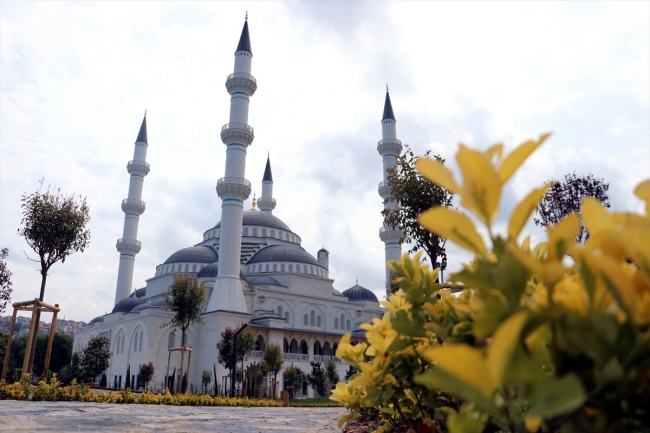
{"type": "Point", "coordinates": [545, 338]}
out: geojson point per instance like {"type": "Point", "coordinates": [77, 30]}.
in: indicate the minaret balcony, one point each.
{"type": "Point", "coordinates": [389, 145]}
{"type": "Point", "coordinates": [138, 167]}
{"type": "Point", "coordinates": [133, 205]}
{"type": "Point", "coordinates": [384, 190]}
{"type": "Point", "coordinates": [241, 81]}
{"type": "Point", "coordinates": [237, 132]}
{"type": "Point", "coordinates": [128, 245]}
{"type": "Point", "coordinates": [266, 203]}
{"type": "Point", "coordinates": [233, 187]}
{"type": "Point", "coordinates": [389, 234]}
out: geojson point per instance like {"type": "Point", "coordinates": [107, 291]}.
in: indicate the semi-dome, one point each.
{"type": "Point", "coordinates": [358, 293]}
{"type": "Point", "coordinates": [97, 319]}
{"type": "Point", "coordinates": [127, 304]}
{"type": "Point", "coordinates": [160, 303]}
{"type": "Point", "coordinates": [262, 280]}
{"type": "Point", "coordinates": [257, 218]}
{"type": "Point", "coordinates": [209, 271]}
{"type": "Point", "coordinates": [202, 254]}
{"type": "Point", "coordinates": [283, 253]}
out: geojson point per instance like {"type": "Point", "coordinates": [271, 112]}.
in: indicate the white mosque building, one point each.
{"type": "Point", "coordinates": [252, 263]}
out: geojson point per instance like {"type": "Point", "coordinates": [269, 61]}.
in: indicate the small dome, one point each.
{"type": "Point", "coordinates": [257, 218]}
{"type": "Point", "coordinates": [160, 303]}
{"type": "Point", "coordinates": [127, 304]}
{"type": "Point", "coordinates": [139, 293]}
{"type": "Point", "coordinates": [323, 250]}
{"type": "Point", "coordinates": [202, 254]}
{"type": "Point", "coordinates": [283, 253]}
{"type": "Point", "coordinates": [209, 271]}
{"type": "Point", "coordinates": [97, 319]}
{"type": "Point", "coordinates": [358, 293]}
{"type": "Point", "coordinates": [336, 292]}
{"type": "Point", "coordinates": [261, 280]}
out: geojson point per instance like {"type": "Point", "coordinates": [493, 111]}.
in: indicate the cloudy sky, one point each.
{"type": "Point", "coordinates": [76, 78]}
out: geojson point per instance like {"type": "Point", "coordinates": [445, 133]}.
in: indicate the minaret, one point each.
{"type": "Point", "coordinates": [266, 201]}
{"type": "Point", "coordinates": [133, 207]}
{"type": "Point", "coordinates": [233, 189]}
{"type": "Point", "coordinates": [389, 147]}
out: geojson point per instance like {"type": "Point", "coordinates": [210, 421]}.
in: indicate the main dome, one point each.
{"type": "Point", "coordinates": [358, 293]}
{"type": "Point", "coordinates": [257, 218]}
{"type": "Point", "coordinates": [283, 253]}
{"type": "Point", "coordinates": [202, 254]}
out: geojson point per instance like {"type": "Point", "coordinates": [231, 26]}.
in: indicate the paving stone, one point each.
{"type": "Point", "coordinates": [55, 417]}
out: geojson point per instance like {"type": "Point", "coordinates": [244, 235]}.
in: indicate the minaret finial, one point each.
{"type": "Point", "coordinates": [269, 154]}
{"type": "Point", "coordinates": [246, 16]}
{"type": "Point", "coordinates": [387, 87]}
{"type": "Point", "coordinates": [145, 112]}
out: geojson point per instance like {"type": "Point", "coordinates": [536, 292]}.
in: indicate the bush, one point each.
{"type": "Point", "coordinates": [545, 338]}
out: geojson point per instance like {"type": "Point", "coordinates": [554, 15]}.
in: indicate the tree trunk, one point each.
{"type": "Point", "coordinates": [31, 355]}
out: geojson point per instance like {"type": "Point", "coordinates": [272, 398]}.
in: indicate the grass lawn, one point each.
{"type": "Point", "coordinates": [314, 402]}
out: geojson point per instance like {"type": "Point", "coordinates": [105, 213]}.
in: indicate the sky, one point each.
{"type": "Point", "coordinates": [75, 79]}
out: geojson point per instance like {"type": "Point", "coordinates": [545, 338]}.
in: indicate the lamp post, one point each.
{"type": "Point", "coordinates": [442, 265]}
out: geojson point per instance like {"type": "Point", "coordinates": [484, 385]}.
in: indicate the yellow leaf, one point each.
{"type": "Point", "coordinates": [595, 216]}
{"type": "Point", "coordinates": [463, 362]}
{"type": "Point", "coordinates": [562, 235]}
{"type": "Point", "coordinates": [532, 423]}
{"type": "Point", "coordinates": [503, 342]}
{"type": "Point", "coordinates": [496, 150]}
{"type": "Point", "coordinates": [454, 226]}
{"type": "Point", "coordinates": [518, 156]}
{"type": "Point", "coordinates": [438, 174]}
{"type": "Point", "coordinates": [525, 245]}
{"type": "Point", "coordinates": [481, 184]}
{"type": "Point", "coordinates": [523, 210]}
{"type": "Point", "coordinates": [643, 192]}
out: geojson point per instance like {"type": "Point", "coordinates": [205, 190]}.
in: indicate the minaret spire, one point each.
{"type": "Point", "coordinates": [267, 202]}
{"type": "Point", "coordinates": [389, 147]}
{"type": "Point", "coordinates": [233, 188]}
{"type": "Point", "coordinates": [133, 206]}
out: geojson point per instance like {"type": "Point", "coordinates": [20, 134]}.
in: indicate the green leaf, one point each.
{"type": "Point", "coordinates": [405, 326]}
{"type": "Point", "coordinates": [553, 398]}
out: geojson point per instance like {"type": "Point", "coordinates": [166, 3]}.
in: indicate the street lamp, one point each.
{"type": "Point", "coordinates": [442, 265]}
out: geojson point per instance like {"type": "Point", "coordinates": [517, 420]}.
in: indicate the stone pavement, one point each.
{"type": "Point", "coordinates": [47, 416]}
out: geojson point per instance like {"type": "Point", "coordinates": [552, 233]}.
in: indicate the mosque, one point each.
{"type": "Point", "coordinates": [251, 262]}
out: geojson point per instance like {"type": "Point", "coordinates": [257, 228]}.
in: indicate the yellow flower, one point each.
{"type": "Point", "coordinates": [397, 302]}
{"type": "Point", "coordinates": [571, 293]}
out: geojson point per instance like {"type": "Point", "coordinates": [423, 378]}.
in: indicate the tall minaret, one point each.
{"type": "Point", "coordinates": [389, 147]}
{"type": "Point", "coordinates": [234, 188]}
{"type": "Point", "coordinates": [133, 207]}
{"type": "Point", "coordinates": [266, 201]}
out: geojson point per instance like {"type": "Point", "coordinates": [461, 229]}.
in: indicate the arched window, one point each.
{"type": "Point", "coordinates": [245, 231]}
{"type": "Point", "coordinates": [311, 270]}
{"type": "Point", "coordinates": [282, 267]}
{"type": "Point", "coordinates": [140, 346]}
{"type": "Point", "coordinates": [281, 235]}
{"type": "Point", "coordinates": [348, 324]}
{"type": "Point", "coordinates": [290, 268]}
{"type": "Point", "coordinates": [272, 233]}
{"type": "Point", "coordinates": [263, 233]}
{"type": "Point", "coordinates": [305, 320]}
{"type": "Point", "coordinates": [286, 317]}
{"type": "Point", "coordinates": [342, 320]}
{"type": "Point", "coordinates": [275, 267]}
{"type": "Point", "coordinates": [280, 311]}
{"type": "Point", "coordinates": [312, 318]}
{"type": "Point", "coordinates": [193, 268]}
{"type": "Point", "coordinates": [255, 231]}
{"type": "Point", "coordinates": [319, 322]}
{"type": "Point", "coordinates": [135, 343]}
{"type": "Point", "coordinates": [298, 268]}
{"type": "Point", "coordinates": [187, 268]}
{"type": "Point", "coordinates": [267, 267]}
{"type": "Point", "coordinates": [259, 343]}
{"type": "Point", "coordinates": [336, 323]}
{"type": "Point", "coordinates": [172, 340]}
{"type": "Point", "coordinates": [122, 345]}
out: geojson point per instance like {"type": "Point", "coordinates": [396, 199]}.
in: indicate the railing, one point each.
{"type": "Point", "coordinates": [388, 140]}
{"type": "Point", "coordinates": [138, 162]}
{"type": "Point", "coordinates": [295, 356]}
{"type": "Point", "coordinates": [266, 199]}
{"type": "Point", "coordinates": [129, 242]}
{"type": "Point", "coordinates": [242, 75]}
{"type": "Point", "coordinates": [317, 358]}
{"type": "Point", "coordinates": [236, 125]}
{"type": "Point", "coordinates": [255, 354]}
{"type": "Point", "coordinates": [383, 184]}
{"type": "Point", "coordinates": [133, 201]}
{"type": "Point", "coordinates": [237, 180]}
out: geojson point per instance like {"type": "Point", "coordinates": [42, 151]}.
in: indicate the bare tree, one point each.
{"type": "Point", "coordinates": [565, 196]}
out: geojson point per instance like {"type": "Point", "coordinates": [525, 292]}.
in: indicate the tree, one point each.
{"type": "Point", "coordinates": [54, 226]}
{"type": "Point", "coordinates": [72, 371]}
{"type": "Point", "coordinates": [5, 280]}
{"type": "Point", "coordinates": [127, 384]}
{"type": "Point", "coordinates": [412, 194]}
{"type": "Point", "coordinates": [273, 359]}
{"type": "Point", "coordinates": [352, 370]}
{"type": "Point", "coordinates": [145, 375]}
{"type": "Point", "coordinates": [392, 286]}
{"type": "Point", "coordinates": [293, 378]}
{"type": "Point", "coordinates": [95, 357]}
{"type": "Point", "coordinates": [245, 343]}
{"type": "Point", "coordinates": [317, 378]}
{"type": "Point", "coordinates": [59, 358]}
{"type": "Point", "coordinates": [565, 196]}
{"type": "Point", "coordinates": [186, 299]}
{"type": "Point", "coordinates": [331, 372]}
{"type": "Point", "coordinates": [206, 378]}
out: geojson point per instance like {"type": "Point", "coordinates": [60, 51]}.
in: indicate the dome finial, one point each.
{"type": "Point", "coordinates": [254, 207]}
{"type": "Point", "coordinates": [357, 281]}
